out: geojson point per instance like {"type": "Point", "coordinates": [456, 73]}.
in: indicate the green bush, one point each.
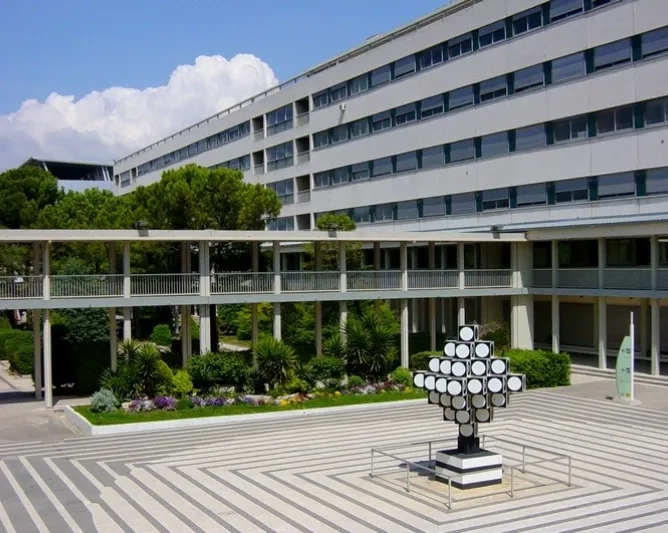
{"type": "Point", "coordinates": [104, 401]}
{"type": "Point", "coordinates": [322, 368]}
{"type": "Point", "coordinates": [20, 352]}
{"type": "Point", "coordinates": [402, 376]}
{"type": "Point", "coordinates": [370, 345]}
{"type": "Point", "coordinates": [214, 370]}
{"type": "Point", "coordinates": [6, 334]}
{"type": "Point", "coordinates": [334, 347]}
{"type": "Point", "coordinates": [293, 386]}
{"type": "Point", "coordinates": [355, 381]}
{"type": "Point", "coordinates": [162, 335]}
{"type": "Point", "coordinates": [498, 333]}
{"type": "Point", "coordinates": [542, 368]}
{"type": "Point", "coordinates": [182, 384]}
{"type": "Point", "coordinates": [183, 404]}
{"type": "Point", "coordinates": [276, 361]}
{"type": "Point", "coordinates": [5, 323]}
{"type": "Point", "coordinates": [420, 360]}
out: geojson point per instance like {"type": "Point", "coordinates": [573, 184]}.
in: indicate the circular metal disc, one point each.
{"type": "Point", "coordinates": [441, 384]}
{"type": "Point", "coordinates": [478, 401]}
{"type": "Point", "coordinates": [466, 430]}
{"type": "Point", "coordinates": [434, 364]}
{"type": "Point", "coordinates": [475, 386]}
{"type": "Point", "coordinates": [446, 367]}
{"type": "Point", "coordinates": [449, 349]}
{"type": "Point", "coordinates": [418, 380]}
{"type": "Point", "coordinates": [463, 417]}
{"type": "Point", "coordinates": [459, 402]}
{"type": "Point", "coordinates": [482, 415]}
{"type": "Point", "coordinates": [498, 400]}
{"type": "Point", "coordinates": [463, 351]}
{"type": "Point", "coordinates": [458, 369]}
{"type": "Point", "coordinates": [482, 350]}
{"type": "Point", "coordinates": [434, 397]}
{"type": "Point", "coordinates": [514, 384]}
{"type": "Point", "coordinates": [445, 400]}
{"type": "Point", "coordinates": [494, 385]}
{"type": "Point", "coordinates": [454, 388]}
{"type": "Point", "coordinates": [449, 413]}
{"type": "Point", "coordinates": [466, 334]}
{"type": "Point", "coordinates": [479, 368]}
{"type": "Point", "coordinates": [430, 382]}
{"type": "Point", "coordinates": [498, 366]}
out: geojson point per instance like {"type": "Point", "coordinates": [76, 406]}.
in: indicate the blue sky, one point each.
{"type": "Point", "coordinates": [73, 47]}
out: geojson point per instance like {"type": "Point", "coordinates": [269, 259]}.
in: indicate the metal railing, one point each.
{"type": "Point", "coordinates": [433, 279]}
{"type": "Point", "coordinates": [259, 169]}
{"type": "Point", "coordinates": [303, 196]}
{"type": "Point", "coordinates": [577, 278]}
{"type": "Point", "coordinates": [326, 281]}
{"type": "Point", "coordinates": [258, 135]}
{"type": "Point", "coordinates": [511, 449]}
{"type": "Point", "coordinates": [487, 279]}
{"type": "Point", "coordinates": [303, 118]}
{"type": "Point", "coordinates": [303, 157]}
{"type": "Point", "coordinates": [164, 284]}
{"type": "Point", "coordinates": [97, 286]}
{"type": "Point", "coordinates": [373, 280]}
{"type": "Point", "coordinates": [20, 287]}
{"type": "Point", "coordinates": [242, 283]}
{"type": "Point", "coordinates": [542, 277]}
{"type": "Point", "coordinates": [662, 278]}
{"type": "Point", "coordinates": [627, 278]}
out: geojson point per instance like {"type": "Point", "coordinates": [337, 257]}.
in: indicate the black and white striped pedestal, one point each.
{"type": "Point", "coordinates": [479, 469]}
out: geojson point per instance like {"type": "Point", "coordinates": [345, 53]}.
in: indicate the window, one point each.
{"type": "Point", "coordinates": [570, 129]}
{"type": "Point", "coordinates": [381, 121]}
{"type": "Point", "coordinates": [380, 76]}
{"type": "Point", "coordinates": [284, 190]}
{"type": "Point", "coordinates": [599, 3]}
{"type": "Point", "coordinates": [362, 215]}
{"type": "Point", "coordinates": [575, 190]}
{"type": "Point", "coordinates": [529, 78]}
{"type": "Point", "coordinates": [462, 150]}
{"type": "Point", "coordinates": [279, 120]}
{"type": "Point", "coordinates": [360, 171]}
{"type": "Point", "coordinates": [279, 156]}
{"type": "Point", "coordinates": [407, 210]}
{"type": "Point", "coordinates": [433, 207]}
{"type": "Point", "coordinates": [654, 42]}
{"type": "Point", "coordinates": [433, 157]}
{"type": "Point", "coordinates": [568, 68]}
{"type": "Point", "coordinates": [527, 21]}
{"type": "Point", "coordinates": [359, 128]}
{"type": "Point", "coordinates": [321, 180]}
{"type": "Point", "coordinates": [656, 181]}
{"type": "Point", "coordinates": [384, 213]}
{"type": "Point", "coordinates": [612, 120]}
{"type": "Point", "coordinates": [404, 67]}
{"type": "Point", "coordinates": [461, 97]}
{"type": "Point", "coordinates": [338, 92]}
{"type": "Point", "coordinates": [561, 9]}
{"type": "Point", "coordinates": [495, 144]}
{"type": "Point", "coordinates": [530, 137]}
{"type": "Point", "coordinates": [341, 175]}
{"type": "Point", "coordinates": [405, 114]}
{"type": "Point", "coordinates": [431, 57]}
{"type": "Point", "coordinates": [245, 162]}
{"type": "Point", "coordinates": [656, 112]}
{"type": "Point", "coordinates": [126, 179]}
{"type": "Point", "coordinates": [407, 162]}
{"type": "Point", "coordinates": [627, 252]}
{"type": "Point", "coordinates": [382, 167]}
{"type": "Point", "coordinates": [320, 139]}
{"type": "Point", "coordinates": [492, 33]}
{"type": "Point", "coordinates": [495, 199]}
{"type": "Point", "coordinates": [528, 195]}
{"type": "Point", "coordinates": [462, 204]}
{"type": "Point", "coordinates": [430, 107]}
{"type": "Point", "coordinates": [359, 84]}
{"type": "Point", "coordinates": [460, 45]}
{"type": "Point", "coordinates": [192, 150]}
{"type": "Point", "coordinates": [612, 54]}
{"type": "Point", "coordinates": [339, 134]}
{"type": "Point", "coordinates": [494, 88]}
{"type": "Point", "coordinates": [616, 185]}
{"type": "Point", "coordinates": [320, 99]}
{"type": "Point", "coordinates": [281, 224]}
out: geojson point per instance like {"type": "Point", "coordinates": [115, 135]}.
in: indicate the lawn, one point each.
{"type": "Point", "coordinates": [122, 417]}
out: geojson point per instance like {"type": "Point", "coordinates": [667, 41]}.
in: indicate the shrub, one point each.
{"type": "Point", "coordinates": [370, 345]}
{"type": "Point", "coordinates": [184, 404]}
{"type": "Point", "coordinates": [294, 386]}
{"type": "Point", "coordinates": [420, 360]}
{"type": "Point", "coordinates": [322, 368]}
{"type": "Point", "coordinates": [276, 361]}
{"type": "Point", "coordinates": [182, 384]}
{"type": "Point", "coordinates": [334, 347]}
{"type": "Point", "coordinates": [213, 370]}
{"type": "Point", "coordinates": [149, 373]}
{"type": "Point", "coordinates": [104, 401]}
{"type": "Point", "coordinates": [402, 376]}
{"type": "Point", "coordinates": [5, 323]}
{"type": "Point", "coordinates": [499, 333]}
{"type": "Point", "coordinates": [162, 335]}
{"type": "Point", "coordinates": [194, 329]}
{"type": "Point", "coordinates": [20, 353]}
{"type": "Point", "coordinates": [355, 381]}
{"type": "Point", "coordinates": [6, 334]}
{"type": "Point", "coordinates": [165, 379]}
{"type": "Point", "coordinates": [542, 368]}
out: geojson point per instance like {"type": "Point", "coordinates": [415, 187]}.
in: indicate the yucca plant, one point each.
{"type": "Point", "coordinates": [276, 361]}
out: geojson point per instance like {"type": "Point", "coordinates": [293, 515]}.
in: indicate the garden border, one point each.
{"type": "Point", "coordinates": [88, 429]}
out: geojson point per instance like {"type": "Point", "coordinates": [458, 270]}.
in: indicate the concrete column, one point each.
{"type": "Point", "coordinates": [403, 259]}
{"type": "Point", "coordinates": [602, 333]}
{"type": "Point", "coordinates": [37, 326]}
{"type": "Point", "coordinates": [343, 287]}
{"type": "Point", "coordinates": [48, 364]}
{"type": "Point", "coordinates": [317, 249]}
{"type": "Point", "coordinates": [186, 333]}
{"type": "Point", "coordinates": [655, 350]}
{"type": "Point", "coordinates": [205, 291]}
{"type": "Point", "coordinates": [461, 311]}
{"type": "Point", "coordinates": [654, 259]}
{"type": "Point", "coordinates": [277, 289]}
{"type": "Point", "coordinates": [414, 301]}
{"type": "Point", "coordinates": [254, 307]}
{"type": "Point", "coordinates": [644, 327]}
{"type": "Point", "coordinates": [461, 266]}
{"type": "Point", "coordinates": [522, 305]}
{"type": "Point", "coordinates": [376, 267]}
{"type": "Point", "coordinates": [113, 348]}
{"type": "Point", "coordinates": [432, 301]}
{"type": "Point", "coordinates": [555, 323]}
{"type": "Point", "coordinates": [601, 263]}
{"type": "Point", "coordinates": [555, 264]}
{"type": "Point", "coordinates": [127, 292]}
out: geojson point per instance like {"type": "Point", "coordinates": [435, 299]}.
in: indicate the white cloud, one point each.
{"type": "Point", "coordinates": [109, 124]}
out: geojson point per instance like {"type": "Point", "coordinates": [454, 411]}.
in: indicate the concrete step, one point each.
{"type": "Point", "coordinates": [645, 379]}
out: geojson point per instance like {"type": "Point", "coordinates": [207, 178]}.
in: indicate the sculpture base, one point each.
{"type": "Point", "coordinates": [480, 469]}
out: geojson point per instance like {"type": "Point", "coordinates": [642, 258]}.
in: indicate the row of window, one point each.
{"type": "Point", "coordinates": [279, 119]}
{"type": "Point", "coordinates": [238, 163]}
{"type": "Point", "coordinates": [281, 224]}
{"type": "Point", "coordinates": [214, 141]}
{"type": "Point", "coordinates": [559, 70]}
{"type": "Point", "coordinates": [512, 26]}
{"type": "Point", "coordinates": [628, 184]}
{"type": "Point", "coordinates": [581, 127]}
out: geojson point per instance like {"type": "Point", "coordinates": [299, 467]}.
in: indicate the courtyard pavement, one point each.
{"type": "Point", "coordinates": [312, 474]}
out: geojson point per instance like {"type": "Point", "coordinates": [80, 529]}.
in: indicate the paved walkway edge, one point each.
{"type": "Point", "coordinates": [89, 429]}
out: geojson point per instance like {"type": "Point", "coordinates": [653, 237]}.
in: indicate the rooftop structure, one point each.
{"type": "Point", "coordinates": [76, 175]}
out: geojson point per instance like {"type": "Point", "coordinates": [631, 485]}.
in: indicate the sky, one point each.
{"type": "Point", "coordinates": [96, 80]}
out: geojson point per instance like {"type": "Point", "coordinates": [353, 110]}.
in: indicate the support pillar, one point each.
{"type": "Point", "coordinates": [522, 315]}
{"type": "Point", "coordinates": [113, 348]}
{"type": "Point", "coordinates": [205, 291]}
{"type": "Point", "coordinates": [414, 301]}
{"type": "Point", "coordinates": [601, 263]}
{"type": "Point", "coordinates": [432, 301]}
{"type": "Point", "coordinates": [318, 305]}
{"type": "Point", "coordinates": [277, 289]}
{"type": "Point", "coordinates": [186, 312]}
{"type": "Point", "coordinates": [644, 327]}
{"type": "Point", "coordinates": [343, 287]}
{"type": "Point", "coordinates": [555, 323]}
{"type": "Point", "coordinates": [37, 326]}
{"type": "Point", "coordinates": [127, 292]}
{"type": "Point", "coordinates": [602, 333]}
{"type": "Point", "coordinates": [48, 364]}
{"type": "Point", "coordinates": [461, 311]}
{"type": "Point", "coordinates": [403, 259]}
{"type": "Point", "coordinates": [655, 350]}
{"type": "Point", "coordinates": [376, 267]}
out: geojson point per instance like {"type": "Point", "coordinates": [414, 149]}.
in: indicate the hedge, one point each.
{"type": "Point", "coordinates": [7, 334]}
{"type": "Point", "coordinates": [420, 360]}
{"type": "Point", "coordinates": [20, 352]}
{"type": "Point", "coordinates": [542, 368]}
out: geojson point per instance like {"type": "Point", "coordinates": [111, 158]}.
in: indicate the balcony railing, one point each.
{"type": "Point", "coordinates": [258, 135]}
{"type": "Point", "coordinates": [303, 118]}
{"type": "Point", "coordinates": [627, 278]}
{"type": "Point", "coordinates": [109, 285]}
{"type": "Point", "coordinates": [310, 281]}
{"type": "Point", "coordinates": [242, 283]}
{"type": "Point", "coordinates": [577, 278]}
{"type": "Point", "coordinates": [542, 277]}
{"type": "Point", "coordinates": [163, 284]}
{"type": "Point", "coordinates": [303, 157]}
{"type": "Point", "coordinates": [662, 278]}
{"type": "Point", "coordinates": [623, 279]}
{"type": "Point", "coordinates": [20, 287]}
{"type": "Point", "coordinates": [373, 280]}
{"type": "Point", "coordinates": [259, 170]}
{"type": "Point", "coordinates": [433, 279]}
{"type": "Point", "coordinates": [303, 196]}
{"type": "Point", "coordinates": [488, 279]}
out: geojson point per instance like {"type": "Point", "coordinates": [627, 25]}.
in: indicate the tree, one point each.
{"type": "Point", "coordinates": [329, 252]}
{"type": "Point", "coordinates": [24, 192]}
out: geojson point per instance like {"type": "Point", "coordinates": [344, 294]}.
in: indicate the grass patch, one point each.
{"type": "Point", "coordinates": [231, 339]}
{"type": "Point", "coordinates": [122, 417]}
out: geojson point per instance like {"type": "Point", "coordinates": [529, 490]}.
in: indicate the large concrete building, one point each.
{"type": "Point", "coordinates": [76, 175]}
{"type": "Point", "coordinates": [483, 116]}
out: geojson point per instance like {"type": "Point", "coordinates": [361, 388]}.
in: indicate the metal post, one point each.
{"type": "Point", "coordinates": [512, 481]}
{"type": "Point", "coordinates": [408, 478]}
{"type": "Point", "coordinates": [429, 454]}
{"type": "Point", "coordinates": [569, 470]}
{"type": "Point", "coordinates": [372, 456]}
{"type": "Point", "coordinates": [450, 493]}
{"type": "Point", "coordinates": [524, 468]}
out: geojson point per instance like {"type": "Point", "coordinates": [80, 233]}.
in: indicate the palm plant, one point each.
{"type": "Point", "coordinates": [276, 361]}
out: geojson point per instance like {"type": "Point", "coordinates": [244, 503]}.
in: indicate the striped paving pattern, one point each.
{"type": "Point", "coordinates": [312, 474]}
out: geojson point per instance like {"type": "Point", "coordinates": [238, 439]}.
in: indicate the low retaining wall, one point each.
{"type": "Point", "coordinates": [89, 429]}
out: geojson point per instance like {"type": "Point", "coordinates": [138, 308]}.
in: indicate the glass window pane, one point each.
{"type": "Point", "coordinates": [431, 57]}
{"type": "Point", "coordinates": [561, 9]}
{"type": "Point", "coordinates": [655, 112]}
{"type": "Point", "coordinates": [612, 54]}
{"type": "Point", "coordinates": [433, 207]}
{"type": "Point", "coordinates": [359, 84]}
{"type": "Point", "coordinates": [461, 204]}
{"type": "Point", "coordinates": [320, 139]}
{"type": "Point", "coordinates": [492, 33]}
{"type": "Point", "coordinates": [656, 181]}
{"type": "Point", "coordinates": [407, 162]}
{"type": "Point", "coordinates": [655, 42]}
{"type": "Point", "coordinates": [529, 78]}
{"type": "Point", "coordinates": [362, 215]}
{"type": "Point", "coordinates": [579, 128]}
{"type": "Point", "coordinates": [462, 150]}
{"type": "Point", "coordinates": [404, 66]}
{"type": "Point", "coordinates": [530, 137]}
{"type": "Point", "coordinates": [495, 199]}
{"type": "Point", "coordinates": [528, 195]}
{"type": "Point", "coordinates": [460, 45]}
{"type": "Point", "coordinates": [527, 21]}
{"type": "Point", "coordinates": [431, 106]}
{"type": "Point", "coordinates": [382, 121]}
{"type": "Point", "coordinates": [433, 157]}
{"type": "Point", "coordinates": [361, 171]}
{"type": "Point", "coordinates": [339, 134]}
{"type": "Point", "coordinates": [571, 190]}
{"type": "Point", "coordinates": [338, 92]}
{"type": "Point", "coordinates": [384, 212]}
{"type": "Point", "coordinates": [407, 210]}
{"type": "Point", "coordinates": [382, 167]}
{"type": "Point", "coordinates": [616, 185]}
{"type": "Point", "coordinates": [568, 68]}
{"type": "Point", "coordinates": [380, 76]}
{"type": "Point", "coordinates": [494, 88]}
{"type": "Point", "coordinates": [405, 114]}
{"type": "Point", "coordinates": [321, 179]}
{"type": "Point", "coordinates": [462, 97]}
{"type": "Point", "coordinates": [495, 144]}
{"type": "Point", "coordinates": [320, 99]}
{"type": "Point", "coordinates": [359, 128]}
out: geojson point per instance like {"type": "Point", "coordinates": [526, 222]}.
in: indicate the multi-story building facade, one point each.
{"type": "Point", "coordinates": [501, 115]}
